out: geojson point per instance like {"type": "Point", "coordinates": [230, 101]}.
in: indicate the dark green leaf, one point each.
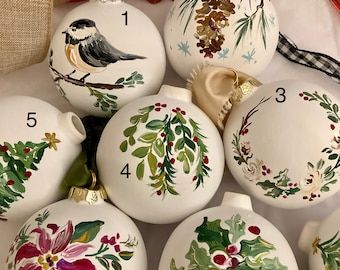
{"type": "Point", "coordinates": [325, 106]}
{"type": "Point", "coordinates": [335, 108]}
{"type": "Point", "coordinates": [104, 263]}
{"type": "Point", "coordinates": [116, 265]}
{"type": "Point", "coordinates": [333, 118]}
{"type": "Point", "coordinates": [255, 247]}
{"type": "Point", "coordinates": [119, 81]}
{"type": "Point", "coordinates": [85, 232]}
{"type": "Point", "coordinates": [179, 144]}
{"type": "Point", "coordinates": [333, 156]}
{"type": "Point", "coordinates": [155, 125]}
{"type": "Point", "coordinates": [190, 143]}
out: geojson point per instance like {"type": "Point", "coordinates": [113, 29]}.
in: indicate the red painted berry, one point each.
{"type": "Point", "coordinates": [220, 259]}
{"type": "Point", "coordinates": [10, 182]}
{"type": "Point", "coordinates": [306, 98]}
{"type": "Point", "coordinates": [295, 185]}
{"type": "Point", "coordinates": [160, 165]}
{"type": "Point", "coordinates": [332, 127]}
{"type": "Point", "coordinates": [195, 139]}
{"type": "Point", "coordinates": [117, 248]}
{"type": "Point", "coordinates": [269, 171]}
{"type": "Point", "coordinates": [178, 109]}
{"type": "Point", "coordinates": [285, 196]}
{"type": "Point", "coordinates": [194, 178]}
{"type": "Point", "coordinates": [264, 173]}
{"type": "Point", "coordinates": [254, 229]}
{"type": "Point", "coordinates": [170, 144]}
{"type": "Point", "coordinates": [173, 110]}
{"type": "Point", "coordinates": [206, 160]}
{"type": "Point", "coordinates": [27, 150]}
{"type": "Point", "coordinates": [246, 131]}
{"type": "Point", "coordinates": [305, 197]}
{"type": "Point", "coordinates": [157, 109]}
{"type": "Point", "coordinates": [290, 184]}
{"type": "Point", "coordinates": [157, 104]}
{"type": "Point", "coordinates": [105, 239]}
{"type": "Point", "coordinates": [163, 134]}
{"type": "Point", "coordinates": [117, 235]}
{"type": "Point", "coordinates": [301, 94]}
{"type": "Point", "coordinates": [183, 112]}
{"type": "Point", "coordinates": [172, 161]}
{"type": "Point", "coordinates": [159, 193]}
{"type": "Point", "coordinates": [4, 148]}
{"type": "Point", "coordinates": [163, 105]}
{"type": "Point", "coordinates": [231, 250]}
{"type": "Point", "coordinates": [264, 167]}
{"type": "Point", "coordinates": [234, 263]}
{"type": "Point", "coordinates": [28, 174]}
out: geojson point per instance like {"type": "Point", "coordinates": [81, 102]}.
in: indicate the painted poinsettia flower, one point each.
{"type": "Point", "coordinates": [53, 252]}
{"type": "Point", "coordinates": [312, 183]}
{"type": "Point", "coordinates": [253, 171]}
{"type": "Point", "coordinates": [336, 141]}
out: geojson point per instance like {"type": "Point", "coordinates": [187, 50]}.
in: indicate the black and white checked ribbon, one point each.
{"type": "Point", "coordinates": [315, 60]}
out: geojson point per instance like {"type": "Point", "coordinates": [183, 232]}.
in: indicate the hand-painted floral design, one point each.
{"type": "Point", "coordinates": [232, 247]}
{"type": "Point", "coordinates": [174, 139]}
{"type": "Point", "coordinates": [318, 177]}
{"type": "Point", "coordinates": [16, 165]}
{"type": "Point", "coordinates": [329, 251]}
{"type": "Point", "coordinates": [67, 247]}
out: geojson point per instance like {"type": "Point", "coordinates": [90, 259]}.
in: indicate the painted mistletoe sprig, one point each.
{"type": "Point", "coordinates": [172, 139]}
{"type": "Point", "coordinates": [319, 177]}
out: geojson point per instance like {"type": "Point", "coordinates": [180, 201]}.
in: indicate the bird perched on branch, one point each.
{"type": "Point", "coordinates": [87, 49]}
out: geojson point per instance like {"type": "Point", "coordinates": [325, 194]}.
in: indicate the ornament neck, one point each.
{"type": "Point", "coordinates": [88, 196]}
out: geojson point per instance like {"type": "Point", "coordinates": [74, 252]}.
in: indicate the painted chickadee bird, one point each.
{"type": "Point", "coordinates": [87, 49]}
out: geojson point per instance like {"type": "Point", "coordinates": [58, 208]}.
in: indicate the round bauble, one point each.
{"type": "Point", "coordinates": [88, 235]}
{"type": "Point", "coordinates": [160, 152]}
{"type": "Point", "coordinates": [242, 35]}
{"type": "Point", "coordinates": [321, 241]}
{"type": "Point", "coordinates": [282, 144]}
{"type": "Point", "coordinates": [230, 236]}
{"type": "Point", "coordinates": [38, 144]}
{"type": "Point", "coordinates": [105, 54]}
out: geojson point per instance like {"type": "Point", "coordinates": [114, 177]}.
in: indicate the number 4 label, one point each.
{"type": "Point", "coordinates": [126, 171]}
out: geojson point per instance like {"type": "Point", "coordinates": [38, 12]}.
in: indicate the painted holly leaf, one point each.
{"type": "Point", "coordinates": [155, 124]}
{"type": "Point", "coordinates": [255, 247]}
{"type": "Point", "coordinates": [140, 170]}
{"type": "Point", "coordinates": [174, 267]}
{"type": "Point", "coordinates": [141, 152]}
{"type": "Point", "coordinates": [236, 227]}
{"type": "Point", "coordinates": [148, 137]}
{"type": "Point", "coordinates": [273, 264]}
{"type": "Point", "coordinates": [85, 232]}
{"type": "Point", "coordinates": [213, 235]}
{"type": "Point", "coordinates": [199, 258]}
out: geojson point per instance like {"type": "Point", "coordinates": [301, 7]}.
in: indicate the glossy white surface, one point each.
{"type": "Point", "coordinates": [312, 26]}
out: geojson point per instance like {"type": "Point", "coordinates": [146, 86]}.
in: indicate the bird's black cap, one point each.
{"type": "Point", "coordinates": [82, 23]}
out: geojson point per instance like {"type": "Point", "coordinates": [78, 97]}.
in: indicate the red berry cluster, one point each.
{"type": "Point", "coordinates": [112, 241]}
{"type": "Point", "coordinates": [265, 170]}
{"type": "Point", "coordinates": [311, 197]}
{"type": "Point", "coordinates": [304, 96]}
{"type": "Point", "coordinates": [3, 148]}
{"type": "Point", "coordinates": [179, 110]}
{"type": "Point", "coordinates": [159, 106]}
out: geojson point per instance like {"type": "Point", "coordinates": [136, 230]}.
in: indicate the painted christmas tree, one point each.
{"type": "Point", "coordinates": [16, 165]}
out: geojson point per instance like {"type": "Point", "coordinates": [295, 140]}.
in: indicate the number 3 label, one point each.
{"type": "Point", "coordinates": [281, 95]}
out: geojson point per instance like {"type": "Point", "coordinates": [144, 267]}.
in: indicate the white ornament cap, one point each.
{"type": "Point", "coordinates": [237, 200]}
{"type": "Point", "coordinates": [176, 92]}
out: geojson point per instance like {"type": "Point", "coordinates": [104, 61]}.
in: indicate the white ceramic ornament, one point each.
{"type": "Point", "coordinates": [105, 54]}
{"type": "Point", "coordinates": [86, 234]}
{"type": "Point", "coordinates": [282, 144]}
{"type": "Point", "coordinates": [230, 236]}
{"type": "Point", "coordinates": [242, 35]}
{"type": "Point", "coordinates": [38, 143]}
{"type": "Point", "coordinates": [321, 240]}
{"type": "Point", "coordinates": [160, 157]}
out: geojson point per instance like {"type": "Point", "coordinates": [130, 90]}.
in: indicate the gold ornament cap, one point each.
{"type": "Point", "coordinates": [92, 195]}
{"type": "Point", "coordinates": [216, 89]}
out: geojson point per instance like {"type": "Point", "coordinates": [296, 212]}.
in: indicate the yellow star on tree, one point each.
{"type": "Point", "coordinates": [52, 140]}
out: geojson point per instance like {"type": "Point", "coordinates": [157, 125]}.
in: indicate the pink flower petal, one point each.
{"type": "Point", "coordinates": [62, 238]}
{"type": "Point", "coordinates": [53, 227]}
{"type": "Point", "coordinates": [27, 251]}
{"type": "Point", "coordinates": [75, 250]}
{"type": "Point", "coordinates": [83, 264]}
{"type": "Point", "coordinates": [31, 266]}
{"type": "Point", "coordinates": [44, 242]}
